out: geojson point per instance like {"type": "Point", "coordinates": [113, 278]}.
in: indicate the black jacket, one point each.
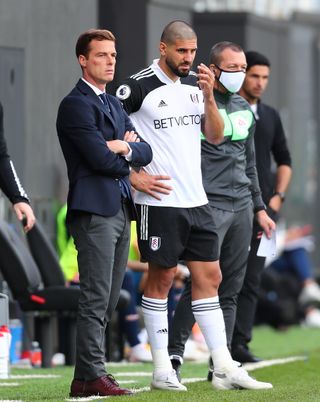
{"type": "Point", "coordinates": [269, 141]}
{"type": "Point", "coordinates": [9, 181]}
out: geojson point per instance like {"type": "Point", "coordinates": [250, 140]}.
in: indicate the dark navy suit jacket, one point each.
{"type": "Point", "coordinates": [84, 125]}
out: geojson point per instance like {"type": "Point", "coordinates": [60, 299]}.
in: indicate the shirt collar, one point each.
{"type": "Point", "coordinates": [162, 75]}
{"type": "Point", "coordinates": [254, 108]}
{"type": "Point", "coordinates": [96, 90]}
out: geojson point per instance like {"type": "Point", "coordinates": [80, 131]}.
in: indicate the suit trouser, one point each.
{"type": "Point", "coordinates": [234, 232]}
{"type": "Point", "coordinates": [248, 297]}
{"type": "Point", "coordinates": [103, 245]}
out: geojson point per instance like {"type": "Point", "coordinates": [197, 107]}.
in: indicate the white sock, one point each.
{"type": "Point", "coordinates": [155, 316]}
{"type": "Point", "coordinates": [209, 317]}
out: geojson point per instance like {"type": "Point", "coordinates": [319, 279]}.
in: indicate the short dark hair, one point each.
{"type": "Point", "coordinates": [218, 48]}
{"type": "Point", "coordinates": [83, 42]}
{"type": "Point", "coordinates": [256, 59]}
{"type": "Point", "coordinates": [177, 29]}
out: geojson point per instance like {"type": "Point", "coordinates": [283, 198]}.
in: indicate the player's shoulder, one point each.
{"type": "Point", "coordinates": [142, 82]}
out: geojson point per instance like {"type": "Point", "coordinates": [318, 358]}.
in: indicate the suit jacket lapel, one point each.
{"type": "Point", "coordinates": [84, 88]}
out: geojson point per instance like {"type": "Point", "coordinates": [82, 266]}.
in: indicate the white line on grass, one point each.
{"type": "Point", "coordinates": [272, 362]}
{"type": "Point", "coordinates": [142, 389]}
{"type": "Point", "coordinates": [20, 376]}
{"type": "Point", "coordinates": [88, 398]}
{"type": "Point", "coordinates": [133, 374]}
{"type": "Point", "coordinates": [190, 380]}
{"type": "Point", "coordinates": [9, 384]}
{"type": "Point", "coordinates": [123, 363]}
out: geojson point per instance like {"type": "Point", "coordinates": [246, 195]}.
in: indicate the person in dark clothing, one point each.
{"type": "Point", "coordinates": [270, 141]}
{"type": "Point", "coordinates": [99, 144]}
{"type": "Point", "coordinates": [10, 183]}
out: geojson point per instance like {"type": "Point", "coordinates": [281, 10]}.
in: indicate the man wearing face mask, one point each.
{"type": "Point", "coordinates": [270, 144]}
{"type": "Point", "coordinates": [231, 184]}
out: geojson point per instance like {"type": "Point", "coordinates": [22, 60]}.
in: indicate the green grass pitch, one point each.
{"type": "Point", "coordinates": [294, 381]}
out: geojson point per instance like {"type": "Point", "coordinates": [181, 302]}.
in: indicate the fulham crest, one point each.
{"type": "Point", "coordinates": [123, 92]}
{"type": "Point", "coordinates": [154, 243]}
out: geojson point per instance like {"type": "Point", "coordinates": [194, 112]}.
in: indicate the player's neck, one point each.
{"type": "Point", "coordinates": [167, 71]}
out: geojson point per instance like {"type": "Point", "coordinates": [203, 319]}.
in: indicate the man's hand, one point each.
{"type": "Point", "coordinates": [206, 80]}
{"type": "Point", "coordinates": [212, 124]}
{"type": "Point", "coordinates": [120, 146]}
{"type": "Point", "coordinates": [150, 184]}
{"type": "Point", "coordinates": [23, 210]}
{"type": "Point", "coordinates": [266, 223]}
{"type": "Point", "coordinates": [131, 136]}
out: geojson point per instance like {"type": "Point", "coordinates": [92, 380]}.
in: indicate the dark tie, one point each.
{"type": "Point", "coordinates": [124, 188]}
{"type": "Point", "coordinates": [105, 101]}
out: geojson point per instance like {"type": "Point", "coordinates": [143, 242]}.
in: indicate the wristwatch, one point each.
{"type": "Point", "coordinates": [281, 194]}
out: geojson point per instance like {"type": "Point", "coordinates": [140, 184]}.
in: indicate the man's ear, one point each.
{"type": "Point", "coordinates": [82, 60]}
{"type": "Point", "coordinates": [215, 70]}
{"type": "Point", "coordinates": [162, 48]}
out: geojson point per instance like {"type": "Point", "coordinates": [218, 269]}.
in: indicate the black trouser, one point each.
{"type": "Point", "coordinates": [248, 297]}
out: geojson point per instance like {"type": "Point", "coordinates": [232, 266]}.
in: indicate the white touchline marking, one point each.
{"type": "Point", "coordinates": [123, 363]}
{"type": "Point", "coordinates": [133, 374]}
{"type": "Point", "coordinates": [142, 389]}
{"type": "Point", "coordinates": [9, 384]}
{"type": "Point", "coordinates": [22, 376]}
{"type": "Point", "coordinates": [190, 380]}
{"type": "Point", "coordinates": [272, 362]}
{"type": "Point", "coordinates": [89, 398]}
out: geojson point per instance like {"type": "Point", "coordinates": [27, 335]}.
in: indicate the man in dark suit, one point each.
{"type": "Point", "coordinates": [10, 183]}
{"type": "Point", "coordinates": [99, 144]}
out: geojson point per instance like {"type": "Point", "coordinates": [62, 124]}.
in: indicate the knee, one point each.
{"type": "Point", "coordinates": [215, 278]}
{"type": "Point", "coordinates": [160, 282]}
{"type": "Point", "coordinates": [208, 280]}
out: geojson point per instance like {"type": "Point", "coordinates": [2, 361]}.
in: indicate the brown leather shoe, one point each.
{"type": "Point", "coordinates": [104, 386]}
{"type": "Point", "coordinates": [77, 388]}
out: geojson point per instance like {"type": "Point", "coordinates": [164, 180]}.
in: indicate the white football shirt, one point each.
{"type": "Point", "coordinates": [167, 115]}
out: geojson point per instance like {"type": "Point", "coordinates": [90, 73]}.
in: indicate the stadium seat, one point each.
{"type": "Point", "coordinates": [37, 284]}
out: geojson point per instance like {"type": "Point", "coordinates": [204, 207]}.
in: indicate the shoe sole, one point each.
{"type": "Point", "coordinates": [86, 395]}
{"type": "Point", "coordinates": [168, 388]}
{"type": "Point", "coordinates": [221, 385]}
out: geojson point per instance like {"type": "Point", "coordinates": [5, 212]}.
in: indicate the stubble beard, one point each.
{"type": "Point", "coordinates": [176, 70]}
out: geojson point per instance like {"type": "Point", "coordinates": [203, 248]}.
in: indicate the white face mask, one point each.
{"type": "Point", "coordinates": [232, 80]}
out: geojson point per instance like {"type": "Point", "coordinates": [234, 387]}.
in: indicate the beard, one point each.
{"type": "Point", "coordinates": [175, 69]}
